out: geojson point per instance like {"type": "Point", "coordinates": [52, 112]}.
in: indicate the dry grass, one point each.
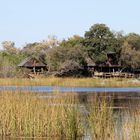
{"type": "Point", "coordinates": [85, 82]}
{"type": "Point", "coordinates": [101, 119]}
{"type": "Point", "coordinates": [25, 115]}
{"type": "Point", "coordinates": [131, 125]}
{"type": "Point", "coordinates": [106, 124]}
{"type": "Point", "coordinates": [28, 115]}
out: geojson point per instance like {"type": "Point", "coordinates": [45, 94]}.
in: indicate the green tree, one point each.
{"type": "Point", "coordinates": [98, 41]}
{"type": "Point", "coordinates": [130, 54]}
{"type": "Point", "coordinates": [68, 60]}
{"type": "Point", "coordinates": [72, 41]}
{"type": "Point", "coordinates": [9, 47]}
{"type": "Point", "coordinates": [40, 48]}
{"type": "Point", "coordinates": [10, 57]}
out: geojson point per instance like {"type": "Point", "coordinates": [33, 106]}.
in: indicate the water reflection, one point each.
{"type": "Point", "coordinates": [124, 105]}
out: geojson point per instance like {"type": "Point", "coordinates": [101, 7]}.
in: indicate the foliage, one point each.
{"type": "Point", "coordinates": [40, 48]}
{"type": "Point", "coordinates": [8, 63]}
{"type": "Point", "coordinates": [130, 54]}
{"type": "Point", "coordinates": [9, 47]}
{"type": "Point", "coordinates": [72, 41]}
{"type": "Point", "coordinates": [69, 56]}
{"type": "Point", "coordinates": [99, 40]}
{"type": "Point", "coordinates": [66, 58]}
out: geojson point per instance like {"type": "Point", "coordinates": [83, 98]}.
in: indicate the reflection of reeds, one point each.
{"type": "Point", "coordinates": [59, 117]}
{"type": "Point", "coordinates": [53, 81]}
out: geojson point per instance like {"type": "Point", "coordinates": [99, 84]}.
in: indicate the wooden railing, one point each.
{"type": "Point", "coordinates": [115, 74]}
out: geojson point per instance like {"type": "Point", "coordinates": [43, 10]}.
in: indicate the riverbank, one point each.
{"type": "Point", "coordinates": [82, 82]}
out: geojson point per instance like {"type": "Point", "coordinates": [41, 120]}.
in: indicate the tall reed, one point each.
{"type": "Point", "coordinates": [105, 123]}
{"type": "Point", "coordinates": [59, 116]}
{"type": "Point", "coordinates": [25, 115]}
{"type": "Point", "coordinates": [101, 119]}
{"type": "Point", "coordinates": [131, 124]}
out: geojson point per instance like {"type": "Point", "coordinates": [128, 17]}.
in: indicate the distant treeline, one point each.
{"type": "Point", "coordinates": [71, 55]}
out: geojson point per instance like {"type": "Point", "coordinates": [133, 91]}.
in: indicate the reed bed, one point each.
{"type": "Point", "coordinates": [105, 123]}
{"type": "Point", "coordinates": [85, 82]}
{"type": "Point", "coordinates": [100, 119]}
{"type": "Point", "coordinates": [131, 125]}
{"type": "Point", "coordinates": [28, 115]}
{"type": "Point", "coordinates": [25, 115]}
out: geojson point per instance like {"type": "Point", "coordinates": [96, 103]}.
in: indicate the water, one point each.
{"type": "Point", "coordinates": [122, 96]}
{"type": "Point", "coordinates": [50, 89]}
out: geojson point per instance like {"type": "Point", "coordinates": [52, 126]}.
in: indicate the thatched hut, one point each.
{"type": "Point", "coordinates": [108, 67]}
{"type": "Point", "coordinates": [34, 65]}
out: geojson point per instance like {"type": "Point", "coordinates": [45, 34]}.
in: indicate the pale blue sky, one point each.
{"type": "Point", "coordinates": [24, 21]}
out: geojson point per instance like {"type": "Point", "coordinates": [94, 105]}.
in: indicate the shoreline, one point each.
{"type": "Point", "coordinates": [71, 82]}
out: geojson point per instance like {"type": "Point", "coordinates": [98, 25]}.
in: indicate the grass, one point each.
{"type": "Point", "coordinates": [101, 121]}
{"type": "Point", "coordinates": [26, 115]}
{"type": "Point", "coordinates": [131, 126]}
{"type": "Point", "coordinates": [86, 82]}
{"type": "Point", "coordinates": [107, 124]}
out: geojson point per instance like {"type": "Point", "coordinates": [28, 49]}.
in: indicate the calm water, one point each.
{"type": "Point", "coordinates": [70, 89]}
{"type": "Point", "coordinates": [120, 95]}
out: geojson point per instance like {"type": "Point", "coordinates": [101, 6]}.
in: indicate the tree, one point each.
{"type": "Point", "coordinates": [130, 54]}
{"type": "Point", "coordinates": [51, 41]}
{"type": "Point", "coordinates": [98, 41]}
{"type": "Point", "coordinates": [10, 57]}
{"type": "Point", "coordinates": [72, 41]}
{"type": "Point", "coordinates": [66, 60]}
{"type": "Point", "coordinates": [40, 48]}
{"type": "Point", "coordinates": [9, 47]}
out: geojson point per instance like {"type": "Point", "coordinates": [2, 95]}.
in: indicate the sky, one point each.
{"type": "Point", "coordinates": [27, 21]}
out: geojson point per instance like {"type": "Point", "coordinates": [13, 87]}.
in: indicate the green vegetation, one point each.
{"type": "Point", "coordinates": [99, 40]}
{"type": "Point", "coordinates": [130, 53]}
{"type": "Point", "coordinates": [27, 115]}
{"type": "Point", "coordinates": [69, 57]}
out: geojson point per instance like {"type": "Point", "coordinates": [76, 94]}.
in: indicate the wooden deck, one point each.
{"type": "Point", "coordinates": [115, 74]}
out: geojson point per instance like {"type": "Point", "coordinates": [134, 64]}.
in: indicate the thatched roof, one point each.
{"type": "Point", "coordinates": [32, 62]}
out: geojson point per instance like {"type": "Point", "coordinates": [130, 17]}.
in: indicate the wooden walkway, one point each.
{"type": "Point", "coordinates": [115, 74]}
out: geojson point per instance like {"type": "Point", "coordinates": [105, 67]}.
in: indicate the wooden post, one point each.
{"type": "Point", "coordinates": [34, 70]}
